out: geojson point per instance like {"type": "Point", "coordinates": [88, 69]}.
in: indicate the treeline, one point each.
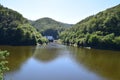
{"type": "Point", "coordinates": [97, 31]}
{"type": "Point", "coordinates": [49, 27]}
{"type": "Point", "coordinates": [16, 30]}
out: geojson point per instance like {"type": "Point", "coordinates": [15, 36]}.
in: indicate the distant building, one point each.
{"type": "Point", "coordinates": [50, 38]}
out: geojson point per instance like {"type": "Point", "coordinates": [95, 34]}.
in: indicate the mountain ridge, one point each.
{"type": "Point", "coordinates": [97, 31]}
{"type": "Point", "coordinates": [50, 27]}
{"type": "Point", "coordinates": [48, 20]}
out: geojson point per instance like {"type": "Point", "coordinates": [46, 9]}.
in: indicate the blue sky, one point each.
{"type": "Point", "coordinates": [68, 11]}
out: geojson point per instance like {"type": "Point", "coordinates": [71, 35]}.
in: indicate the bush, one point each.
{"type": "Point", "coordinates": [3, 54]}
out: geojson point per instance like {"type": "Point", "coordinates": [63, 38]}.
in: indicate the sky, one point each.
{"type": "Point", "coordinates": [67, 11]}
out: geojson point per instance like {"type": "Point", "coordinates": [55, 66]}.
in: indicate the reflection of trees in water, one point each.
{"type": "Point", "coordinates": [18, 55]}
{"type": "Point", "coordinates": [103, 62]}
{"type": "Point", "coordinates": [46, 54]}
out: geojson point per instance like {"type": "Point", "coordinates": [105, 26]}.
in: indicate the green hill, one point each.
{"type": "Point", "coordinates": [15, 29]}
{"type": "Point", "coordinates": [49, 27]}
{"type": "Point", "coordinates": [97, 31]}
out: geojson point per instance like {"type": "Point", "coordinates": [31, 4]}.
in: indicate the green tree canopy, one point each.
{"type": "Point", "coordinates": [98, 31]}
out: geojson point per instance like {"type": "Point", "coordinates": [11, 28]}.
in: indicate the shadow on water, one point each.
{"type": "Point", "coordinates": [103, 62]}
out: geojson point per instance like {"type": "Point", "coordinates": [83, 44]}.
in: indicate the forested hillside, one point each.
{"type": "Point", "coordinates": [15, 29]}
{"type": "Point", "coordinates": [97, 31]}
{"type": "Point", "coordinates": [49, 27]}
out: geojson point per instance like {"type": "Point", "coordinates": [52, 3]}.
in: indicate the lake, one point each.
{"type": "Point", "coordinates": [60, 62]}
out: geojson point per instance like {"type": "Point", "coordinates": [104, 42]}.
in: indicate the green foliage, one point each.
{"type": "Point", "coordinates": [98, 31]}
{"type": "Point", "coordinates": [15, 29]}
{"type": "Point", "coordinates": [93, 40]}
{"type": "Point", "coordinates": [43, 40]}
{"type": "Point", "coordinates": [49, 27]}
{"type": "Point", "coordinates": [3, 54]}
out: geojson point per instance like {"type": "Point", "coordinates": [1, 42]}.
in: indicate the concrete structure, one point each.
{"type": "Point", "coordinates": [50, 38]}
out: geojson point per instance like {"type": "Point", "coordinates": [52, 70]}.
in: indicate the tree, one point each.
{"type": "Point", "coordinates": [3, 54]}
{"type": "Point", "coordinates": [97, 31]}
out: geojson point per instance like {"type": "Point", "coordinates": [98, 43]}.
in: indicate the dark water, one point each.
{"type": "Point", "coordinates": [58, 62]}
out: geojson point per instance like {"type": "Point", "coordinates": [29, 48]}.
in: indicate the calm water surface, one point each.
{"type": "Point", "coordinates": [59, 62]}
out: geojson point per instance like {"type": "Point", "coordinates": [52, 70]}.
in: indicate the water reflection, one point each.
{"type": "Point", "coordinates": [18, 55]}
{"type": "Point", "coordinates": [61, 63]}
{"type": "Point", "coordinates": [46, 54]}
{"type": "Point", "coordinates": [102, 62]}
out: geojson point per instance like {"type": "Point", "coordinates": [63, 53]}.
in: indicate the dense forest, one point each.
{"type": "Point", "coordinates": [16, 30]}
{"type": "Point", "coordinates": [97, 31]}
{"type": "Point", "coordinates": [49, 27]}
